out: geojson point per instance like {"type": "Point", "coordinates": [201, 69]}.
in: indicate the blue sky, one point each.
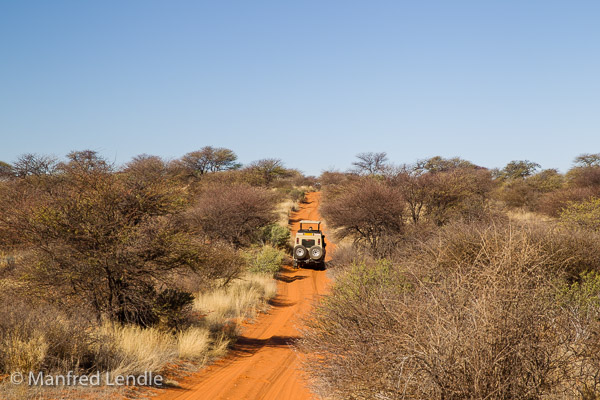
{"type": "Point", "coordinates": [310, 82]}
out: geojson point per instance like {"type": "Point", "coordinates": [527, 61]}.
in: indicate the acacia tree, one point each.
{"type": "Point", "coordinates": [587, 160]}
{"type": "Point", "coordinates": [34, 164]}
{"type": "Point", "coordinates": [519, 169]}
{"type": "Point", "coordinates": [440, 164]}
{"type": "Point", "coordinates": [100, 239]}
{"type": "Point", "coordinates": [371, 163]}
{"type": "Point", "coordinates": [145, 170]}
{"type": "Point", "coordinates": [6, 170]}
{"type": "Point", "coordinates": [368, 211]}
{"type": "Point", "coordinates": [267, 170]}
{"type": "Point", "coordinates": [209, 159]}
{"type": "Point", "coordinates": [412, 184]}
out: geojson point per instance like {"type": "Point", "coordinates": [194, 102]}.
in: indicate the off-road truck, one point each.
{"type": "Point", "coordinates": [309, 244]}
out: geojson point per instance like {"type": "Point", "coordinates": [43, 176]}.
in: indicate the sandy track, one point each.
{"type": "Point", "coordinates": [262, 364]}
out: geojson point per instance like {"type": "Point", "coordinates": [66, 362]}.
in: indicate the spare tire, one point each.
{"type": "Point", "coordinates": [300, 252]}
{"type": "Point", "coordinates": [316, 252]}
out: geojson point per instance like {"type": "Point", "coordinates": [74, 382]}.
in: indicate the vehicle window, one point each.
{"type": "Point", "coordinates": [308, 243]}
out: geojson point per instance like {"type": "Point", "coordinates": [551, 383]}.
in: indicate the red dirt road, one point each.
{"type": "Point", "coordinates": [262, 364]}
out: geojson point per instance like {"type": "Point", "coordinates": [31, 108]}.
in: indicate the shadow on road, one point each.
{"type": "Point", "coordinates": [290, 279]}
{"type": "Point", "coordinates": [246, 347]}
{"type": "Point", "coordinates": [275, 302]}
{"type": "Point", "coordinates": [315, 267]}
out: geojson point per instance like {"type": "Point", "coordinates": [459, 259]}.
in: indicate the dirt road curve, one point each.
{"type": "Point", "coordinates": [262, 365]}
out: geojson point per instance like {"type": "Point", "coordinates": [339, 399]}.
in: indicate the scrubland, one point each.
{"type": "Point", "coordinates": [136, 268]}
{"type": "Point", "coordinates": [459, 282]}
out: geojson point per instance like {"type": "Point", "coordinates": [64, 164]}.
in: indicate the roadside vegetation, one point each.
{"type": "Point", "coordinates": [134, 268]}
{"type": "Point", "coordinates": [441, 292]}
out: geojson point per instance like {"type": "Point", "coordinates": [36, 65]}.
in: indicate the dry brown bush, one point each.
{"type": "Point", "coordinates": [343, 257]}
{"type": "Point", "coordinates": [477, 312]}
{"type": "Point", "coordinates": [457, 194]}
{"type": "Point", "coordinates": [373, 210]}
{"type": "Point", "coordinates": [34, 165]}
{"type": "Point", "coordinates": [233, 213]}
{"type": "Point", "coordinates": [584, 176]}
{"type": "Point", "coordinates": [518, 194]}
{"type": "Point", "coordinates": [333, 181]}
{"type": "Point", "coordinates": [552, 203]}
{"type": "Point", "coordinates": [412, 183]}
{"type": "Point", "coordinates": [40, 336]}
{"type": "Point", "coordinates": [369, 211]}
{"type": "Point", "coordinates": [518, 188]}
{"type": "Point", "coordinates": [443, 190]}
{"type": "Point", "coordinates": [145, 170]}
{"type": "Point", "coordinates": [549, 193]}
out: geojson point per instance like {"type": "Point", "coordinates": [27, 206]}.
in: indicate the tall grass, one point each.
{"type": "Point", "coordinates": [43, 338]}
{"type": "Point", "coordinates": [133, 350]}
{"type": "Point", "coordinates": [283, 211]}
{"type": "Point", "coordinates": [137, 350]}
{"type": "Point", "coordinates": [24, 354]}
{"type": "Point", "coordinates": [236, 302]}
{"type": "Point", "coordinates": [194, 343]}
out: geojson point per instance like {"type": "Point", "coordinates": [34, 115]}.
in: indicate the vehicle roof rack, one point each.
{"type": "Point", "coordinates": [308, 222]}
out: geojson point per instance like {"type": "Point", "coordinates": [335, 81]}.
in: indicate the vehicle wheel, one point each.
{"type": "Point", "coordinates": [300, 252]}
{"type": "Point", "coordinates": [316, 252]}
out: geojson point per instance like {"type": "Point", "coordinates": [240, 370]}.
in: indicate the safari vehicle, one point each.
{"type": "Point", "coordinates": [309, 245]}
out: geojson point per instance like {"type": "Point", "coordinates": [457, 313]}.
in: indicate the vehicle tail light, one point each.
{"type": "Point", "coordinates": [297, 240]}
{"type": "Point", "coordinates": [319, 242]}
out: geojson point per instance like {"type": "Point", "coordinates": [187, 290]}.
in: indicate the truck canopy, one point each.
{"type": "Point", "coordinates": [305, 222]}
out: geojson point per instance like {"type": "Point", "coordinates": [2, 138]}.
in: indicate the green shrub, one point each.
{"type": "Point", "coordinates": [366, 279]}
{"type": "Point", "coordinates": [172, 308]}
{"type": "Point", "coordinates": [585, 214]}
{"type": "Point", "coordinates": [297, 195]}
{"type": "Point", "coordinates": [275, 235]}
{"type": "Point", "coordinates": [584, 295]}
{"type": "Point", "coordinates": [265, 260]}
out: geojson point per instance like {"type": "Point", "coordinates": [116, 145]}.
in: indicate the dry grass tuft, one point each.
{"type": "Point", "coordinates": [236, 302]}
{"type": "Point", "coordinates": [22, 354]}
{"type": "Point", "coordinates": [194, 344]}
{"type": "Point", "coordinates": [283, 211]}
{"type": "Point", "coordinates": [520, 215]}
{"type": "Point", "coordinates": [220, 345]}
{"type": "Point", "coordinates": [138, 350]}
